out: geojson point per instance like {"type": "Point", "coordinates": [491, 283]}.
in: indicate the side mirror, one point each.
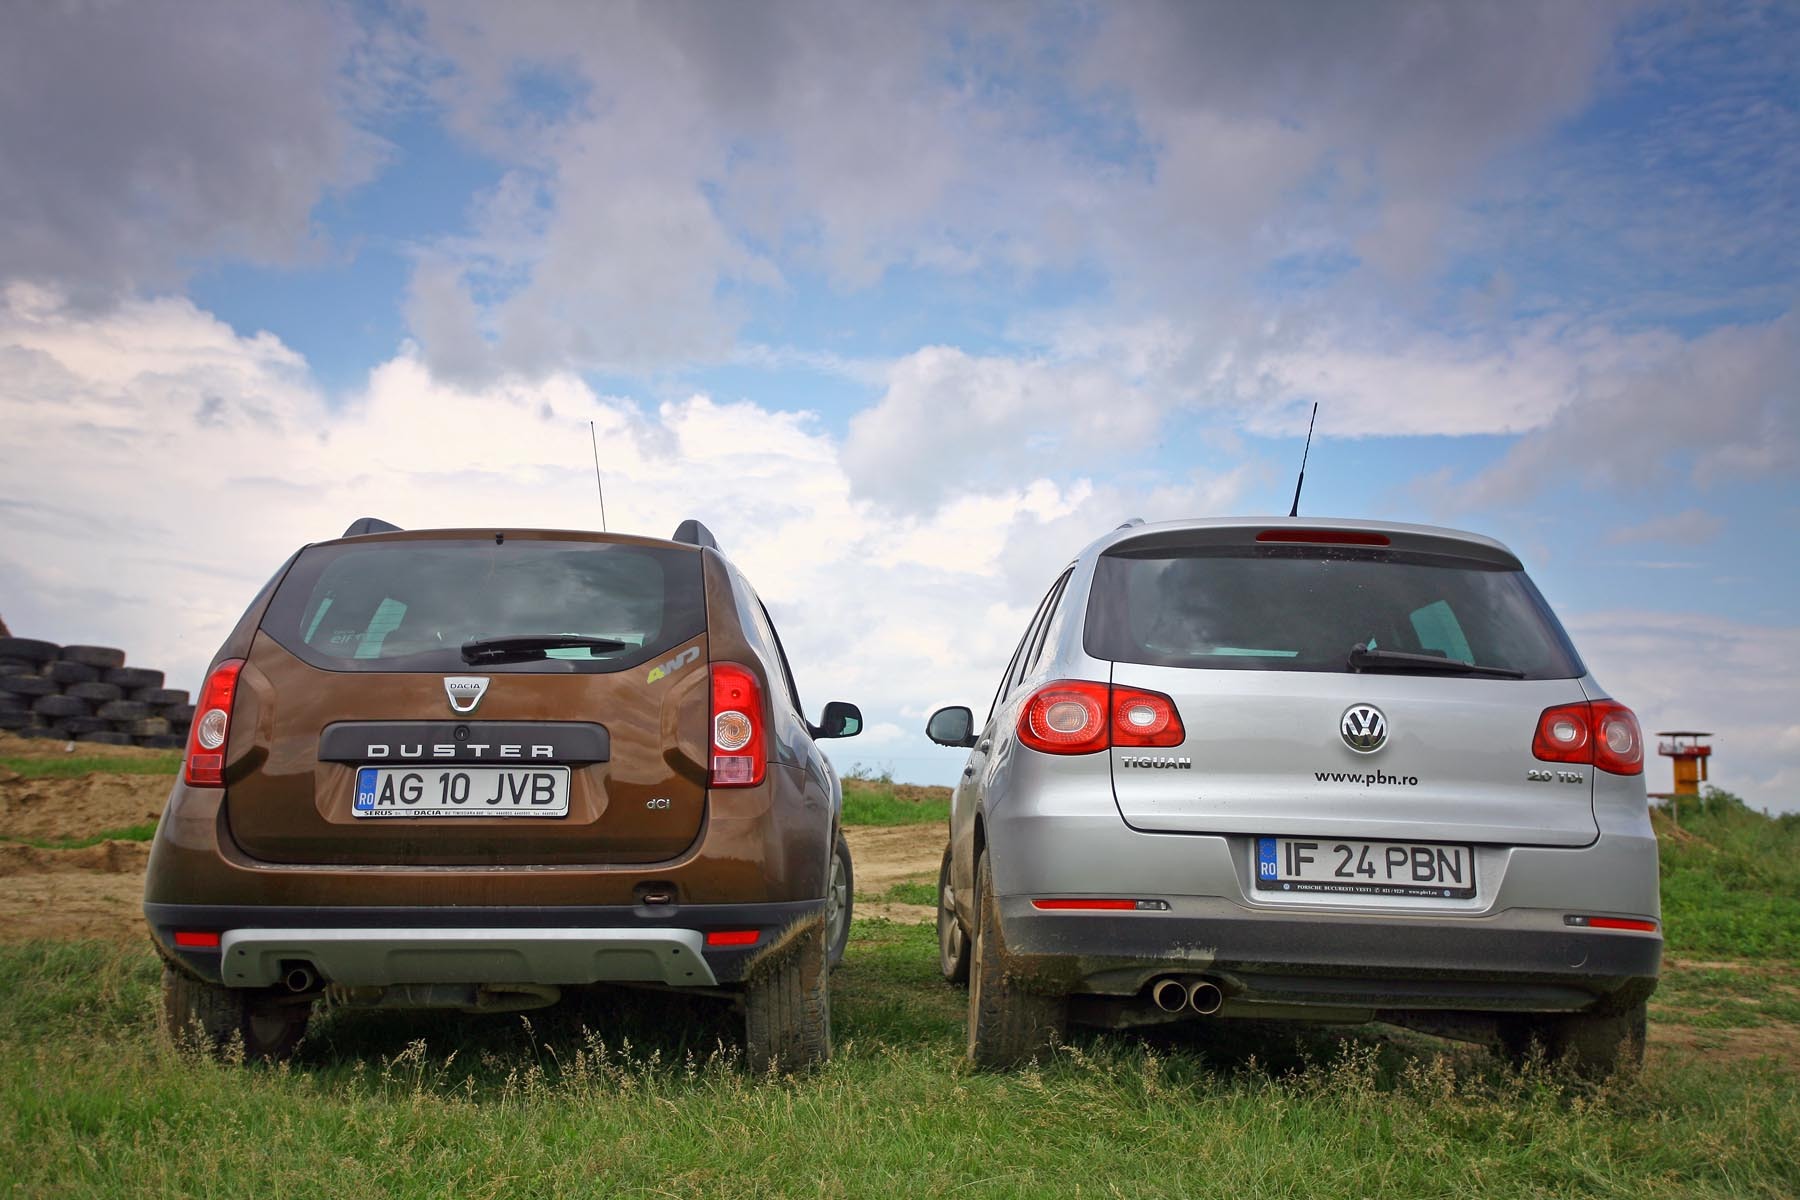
{"type": "Point", "coordinates": [840, 720]}
{"type": "Point", "coordinates": [952, 727]}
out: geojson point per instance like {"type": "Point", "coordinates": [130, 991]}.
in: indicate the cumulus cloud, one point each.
{"type": "Point", "coordinates": [1689, 527]}
{"type": "Point", "coordinates": [158, 466]}
{"type": "Point", "coordinates": [139, 139]}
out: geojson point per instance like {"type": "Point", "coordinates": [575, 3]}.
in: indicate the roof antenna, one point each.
{"type": "Point", "coordinates": [1301, 482]}
{"type": "Point", "coordinates": [592, 437]}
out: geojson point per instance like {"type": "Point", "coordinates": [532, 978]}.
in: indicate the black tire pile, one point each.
{"type": "Point", "coordinates": [87, 694]}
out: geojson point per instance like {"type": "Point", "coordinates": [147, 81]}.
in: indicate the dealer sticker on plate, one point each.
{"type": "Point", "coordinates": [1370, 868]}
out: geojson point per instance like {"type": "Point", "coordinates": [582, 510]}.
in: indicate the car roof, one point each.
{"type": "Point", "coordinates": [1229, 530]}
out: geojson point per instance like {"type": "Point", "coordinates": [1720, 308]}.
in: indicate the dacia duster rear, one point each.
{"type": "Point", "coordinates": [468, 768]}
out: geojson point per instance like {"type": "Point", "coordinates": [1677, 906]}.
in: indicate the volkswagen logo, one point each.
{"type": "Point", "coordinates": [1364, 728]}
{"type": "Point", "coordinates": [466, 691]}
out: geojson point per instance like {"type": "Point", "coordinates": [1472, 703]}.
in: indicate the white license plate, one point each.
{"type": "Point", "coordinates": [1382, 868]}
{"type": "Point", "coordinates": [461, 792]}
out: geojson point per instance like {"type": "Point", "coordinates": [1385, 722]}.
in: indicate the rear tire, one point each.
{"type": "Point", "coordinates": [1008, 1023]}
{"type": "Point", "coordinates": [787, 1005]}
{"type": "Point", "coordinates": [840, 900]}
{"type": "Point", "coordinates": [1593, 1045]}
{"type": "Point", "coordinates": [953, 938]}
{"type": "Point", "coordinates": [220, 1018]}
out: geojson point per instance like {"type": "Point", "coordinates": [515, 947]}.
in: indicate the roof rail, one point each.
{"type": "Point", "coordinates": [364, 525]}
{"type": "Point", "coordinates": [695, 534]}
{"type": "Point", "coordinates": [1128, 524]}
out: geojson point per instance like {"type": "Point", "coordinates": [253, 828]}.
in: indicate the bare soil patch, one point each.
{"type": "Point", "coordinates": [1778, 1040]}
{"type": "Point", "coordinates": [66, 905]}
{"type": "Point", "coordinates": [52, 808]}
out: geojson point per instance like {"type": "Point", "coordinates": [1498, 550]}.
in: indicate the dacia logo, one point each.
{"type": "Point", "coordinates": [1157, 762]}
{"type": "Point", "coordinates": [661, 669]}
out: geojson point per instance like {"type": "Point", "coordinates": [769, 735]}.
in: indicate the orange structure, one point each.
{"type": "Point", "coordinates": [1690, 755]}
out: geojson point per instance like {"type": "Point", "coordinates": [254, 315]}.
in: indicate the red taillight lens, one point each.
{"type": "Point", "coordinates": [1073, 716]}
{"type": "Point", "coordinates": [1636, 926]}
{"type": "Point", "coordinates": [196, 939]}
{"type": "Point", "coordinates": [205, 765]}
{"type": "Point", "coordinates": [1141, 718]}
{"type": "Point", "coordinates": [1618, 744]}
{"type": "Point", "coordinates": [1602, 733]}
{"type": "Point", "coordinates": [1067, 717]}
{"type": "Point", "coordinates": [738, 746]}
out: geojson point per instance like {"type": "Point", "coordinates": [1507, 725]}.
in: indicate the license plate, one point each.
{"type": "Point", "coordinates": [462, 792]}
{"type": "Point", "coordinates": [1379, 868]}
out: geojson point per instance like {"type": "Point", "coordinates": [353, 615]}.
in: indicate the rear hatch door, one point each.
{"type": "Point", "coordinates": [358, 684]}
{"type": "Point", "coordinates": [1290, 734]}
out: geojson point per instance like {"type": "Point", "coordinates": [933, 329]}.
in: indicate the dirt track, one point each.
{"type": "Point", "coordinates": [95, 891]}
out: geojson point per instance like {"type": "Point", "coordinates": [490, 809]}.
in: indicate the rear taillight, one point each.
{"type": "Point", "coordinates": [1068, 717]}
{"type": "Point", "coordinates": [1072, 716]}
{"type": "Point", "coordinates": [205, 766]}
{"type": "Point", "coordinates": [739, 748]}
{"type": "Point", "coordinates": [1602, 733]}
{"type": "Point", "coordinates": [1143, 718]}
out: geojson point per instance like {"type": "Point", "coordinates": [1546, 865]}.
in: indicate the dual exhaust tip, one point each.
{"type": "Point", "coordinates": [1196, 995]}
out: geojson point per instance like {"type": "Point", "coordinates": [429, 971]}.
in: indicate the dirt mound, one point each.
{"type": "Point", "coordinates": [110, 858]}
{"type": "Point", "coordinates": [72, 905]}
{"type": "Point", "coordinates": [48, 808]}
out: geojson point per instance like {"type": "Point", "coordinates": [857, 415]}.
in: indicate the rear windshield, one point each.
{"type": "Point", "coordinates": [1302, 608]}
{"type": "Point", "coordinates": [410, 605]}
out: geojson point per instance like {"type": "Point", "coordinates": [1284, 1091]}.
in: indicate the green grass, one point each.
{"type": "Point", "coordinates": [1731, 882]}
{"type": "Point", "coordinates": [910, 891]}
{"type": "Point", "coordinates": [1744, 995]}
{"type": "Point", "coordinates": [128, 833]}
{"type": "Point", "coordinates": [877, 802]}
{"type": "Point", "coordinates": [637, 1095]}
{"type": "Point", "coordinates": [166, 762]}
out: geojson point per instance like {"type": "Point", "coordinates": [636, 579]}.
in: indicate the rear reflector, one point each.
{"type": "Point", "coordinates": [194, 939]}
{"type": "Point", "coordinates": [1612, 923]}
{"type": "Point", "coordinates": [1097, 905]}
{"type": "Point", "coordinates": [733, 937]}
{"type": "Point", "coordinates": [1327, 537]}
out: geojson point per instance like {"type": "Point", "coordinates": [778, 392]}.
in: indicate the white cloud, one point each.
{"type": "Point", "coordinates": [158, 466]}
{"type": "Point", "coordinates": [1695, 671]}
{"type": "Point", "coordinates": [1689, 527]}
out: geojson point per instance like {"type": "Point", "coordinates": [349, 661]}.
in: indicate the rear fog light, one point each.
{"type": "Point", "coordinates": [1061, 904]}
{"type": "Point", "coordinates": [196, 939]}
{"type": "Point", "coordinates": [1636, 926]}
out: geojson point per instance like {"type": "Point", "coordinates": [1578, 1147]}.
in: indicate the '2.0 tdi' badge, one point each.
{"type": "Point", "coordinates": [465, 691]}
{"type": "Point", "coordinates": [1364, 728]}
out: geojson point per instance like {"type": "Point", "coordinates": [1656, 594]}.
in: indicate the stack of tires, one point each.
{"type": "Point", "coordinates": [87, 694]}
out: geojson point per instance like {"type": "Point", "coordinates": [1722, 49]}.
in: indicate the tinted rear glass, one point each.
{"type": "Point", "coordinates": [410, 605]}
{"type": "Point", "coordinates": [1302, 608]}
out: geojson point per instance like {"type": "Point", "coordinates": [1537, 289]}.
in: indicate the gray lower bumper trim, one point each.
{"type": "Point", "coordinates": [365, 957]}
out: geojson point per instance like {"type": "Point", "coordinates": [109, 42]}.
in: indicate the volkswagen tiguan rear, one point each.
{"type": "Point", "coordinates": [1325, 770]}
{"type": "Point", "coordinates": [468, 768]}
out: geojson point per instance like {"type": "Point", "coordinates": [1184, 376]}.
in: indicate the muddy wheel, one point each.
{"type": "Point", "coordinates": [840, 900]}
{"type": "Point", "coordinates": [787, 1005]}
{"type": "Point", "coordinates": [1008, 1023]}
{"type": "Point", "coordinates": [1594, 1045]}
{"type": "Point", "coordinates": [219, 1017]}
{"type": "Point", "coordinates": [953, 939]}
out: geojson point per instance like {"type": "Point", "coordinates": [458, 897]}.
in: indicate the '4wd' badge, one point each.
{"type": "Point", "coordinates": [670, 666]}
{"type": "Point", "coordinates": [465, 691]}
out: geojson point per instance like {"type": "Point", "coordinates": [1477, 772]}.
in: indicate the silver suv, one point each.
{"type": "Point", "coordinates": [1333, 771]}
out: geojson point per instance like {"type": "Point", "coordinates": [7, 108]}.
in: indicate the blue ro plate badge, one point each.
{"type": "Point", "coordinates": [461, 792]}
{"type": "Point", "coordinates": [1343, 865]}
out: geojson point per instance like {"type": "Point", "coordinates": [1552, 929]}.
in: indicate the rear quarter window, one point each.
{"type": "Point", "coordinates": [410, 605]}
{"type": "Point", "coordinates": [1302, 608]}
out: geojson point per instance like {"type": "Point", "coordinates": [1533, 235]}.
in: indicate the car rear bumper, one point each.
{"type": "Point", "coordinates": [1520, 960]}
{"type": "Point", "coordinates": [387, 946]}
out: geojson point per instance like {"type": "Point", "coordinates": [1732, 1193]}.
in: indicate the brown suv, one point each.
{"type": "Point", "coordinates": [466, 768]}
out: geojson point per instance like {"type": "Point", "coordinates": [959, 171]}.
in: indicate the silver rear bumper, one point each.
{"type": "Point", "coordinates": [381, 957]}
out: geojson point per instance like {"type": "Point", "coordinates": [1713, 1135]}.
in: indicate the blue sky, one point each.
{"type": "Point", "coordinates": [910, 302]}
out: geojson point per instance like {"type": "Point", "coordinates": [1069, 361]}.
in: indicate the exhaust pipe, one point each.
{"type": "Point", "coordinates": [1169, 995]}
{"type": "Point", "coordinates": [1204, 997]}
{"type": "Point", "coordinates": [299, 979]}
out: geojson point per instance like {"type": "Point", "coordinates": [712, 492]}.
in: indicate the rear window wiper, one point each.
{"type": "Point", "coordinates": [1364, 659]}
{"type": "Point", "coordinates": [526, 646]}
